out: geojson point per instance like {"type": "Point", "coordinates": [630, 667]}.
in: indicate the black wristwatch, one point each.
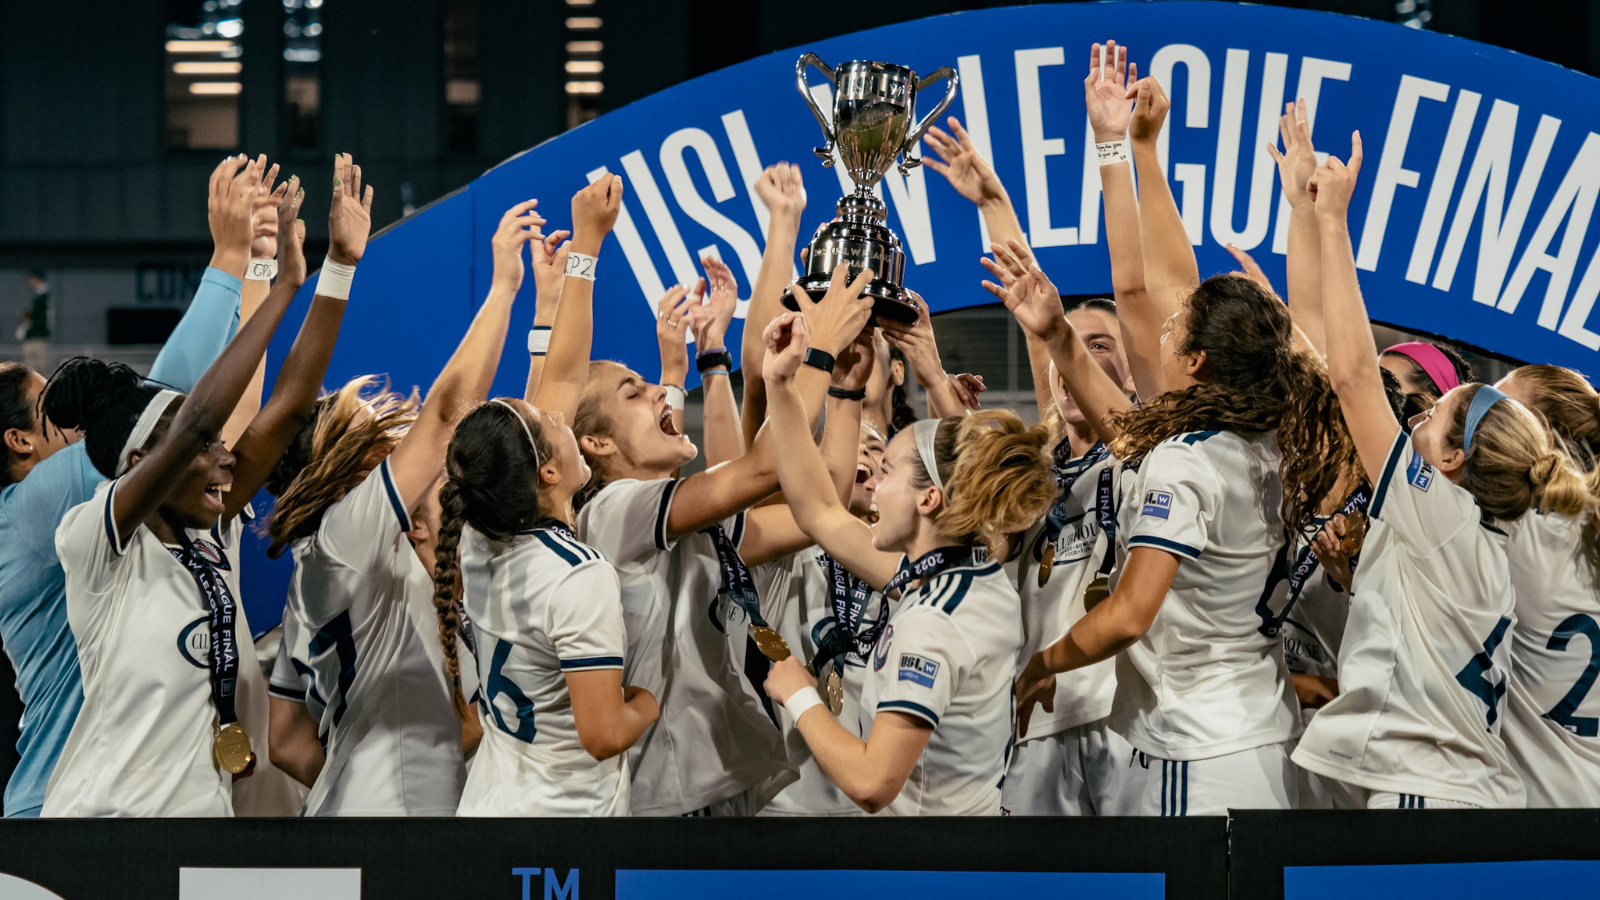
{"type": "Point", "coordinates": [712, 359]}
{"type": "Point", "coordinates": [817, 359]}
{"type": "Point", "coordinates": [840, 393]}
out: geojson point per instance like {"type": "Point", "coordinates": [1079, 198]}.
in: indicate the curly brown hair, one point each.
{"type": "Point", "coordinates": [1255, 383]}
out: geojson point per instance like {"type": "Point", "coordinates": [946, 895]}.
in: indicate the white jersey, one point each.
{"type": "Point", "coordinates": [142, 744]}
{"type": "Point", "coordinates": [1207, 679]}
{"type": "Point", "coordinates": [1425, 657]}
{"type": "Point", "coordinates": [714, 739]}
{"type": "Point", "coordinates": [796, 594]}
{"type": "Point", "coordinates": [948, 658]}
{"type": "Point", "coordinates": [541, 607]}
{"type": "Point", "coordinates": [1077, 546]}
{"type": "Point", "coordinates": [1551, 712]}
{"type": "Point", "coordinates": [365, 601]}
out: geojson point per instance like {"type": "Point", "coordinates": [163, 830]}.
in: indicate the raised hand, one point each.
{"type": "Point", "coordinates": [960, 163]}
{"type": "Point", "coordinates": [1250, 268]}
{"type": "Point", "coordinates": [350, 213]}
{"type": "Point", "coordinates": [291, 234]}
{"type": "Point", "coordinates": [672, 322]}
{"type": "Point", "coordinates": [1026, 291]}
{"type": "Point", "coordinates": [1150, 106]}
{"type": "Point", "coordinates": [853, 369]}
{"type": "Point", "coordinates": [1298, 161]}
{"type": "Point", "coordinates": [290, 195]}
{"type": "Point", "coordinates": [594, 212]}
{"type": "Point", "coordinates": [968, 388]}
{"type": "Point", "coordinates": [267, 224]}
{"type": "Point", "coordinates": [549, 270]}
{"type": "Point", "coordinates": [844, 311]}
{"type": "Point", "coordinates": [1106, 92]}
{"type": "Point", "coordinates": [519, 225]}
{"type": "Point", "coordinates": [917, 342]}
{"type": "Point", "coordinates": [710, 321]}
{"type": "Point", "coordinates": [1334, 182]}
{"type": "Point", "coordinates": [230, 210]}
{"type": "Point", "coordinates": [787, 340]}
{"type": "Point", "coordinates": [781, 188]}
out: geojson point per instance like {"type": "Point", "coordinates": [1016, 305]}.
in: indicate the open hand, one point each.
{"type": "Point", "coordinates": [672, 325]}
{"type": "Point", "coordinates": [350, 214]}
{"type": "Point", "coordinates": [1298, 161]}
{"type": "Point", "coordinates": [960, 163]}
{"type": "Point", "coordinates": [710, 321]}
{"type": "Point", "coordinates": [1030, 296]}
{"type": "Point", "coordinates": [841, 315]}
{"type": "Point", "coordinates": [1106, 92]}
{"type": "Point", "coordinates": [267, 224]}
{"type": "Point", "coordinates": [230, 208]}
{"type": "Point", "coordinates": [917, 342]}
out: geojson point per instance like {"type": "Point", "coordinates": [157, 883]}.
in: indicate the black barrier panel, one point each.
{"type": "Point", "coordinates": [1396, 853]}
{"type": "Point", "coordinates": [598, 859]}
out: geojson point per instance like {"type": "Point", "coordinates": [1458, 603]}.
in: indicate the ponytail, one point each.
{"type": "Point", "coordinates": [901, 415]}
{"type": "Point", "coordinates": [996, 475]}
{"type": "Point", "coordinates": [447, 587]}
{"type": "Point", "coordinates": [1569, 406]}
{"type": "Point", "coordinates": [103, 400]}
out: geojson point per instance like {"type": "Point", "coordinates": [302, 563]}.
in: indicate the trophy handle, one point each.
{"type": "Point", "coordinates": [952, 81]}
{"type": "Point", "coordinates": [811, 59]}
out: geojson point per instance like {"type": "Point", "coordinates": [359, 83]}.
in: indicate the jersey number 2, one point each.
{"type": "Point", "coordinates": [1475, 677]}
{"type": "Point", "coordinates": [1565, 712]}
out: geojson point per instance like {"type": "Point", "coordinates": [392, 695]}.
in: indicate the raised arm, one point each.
{"type": "Point", "coordinates": [1109, 114]}
{"type": "Point", "coordinates": [566, 368]}
{"type": "Point", "coordinates": [466, 378]}
{"type": "Point", "coordinates": [922, 352]}
{"type": "Point", "coordinates": [1352, 354]}
{"type": "Point", "coordinates": [1170, 269]}
{"type": "Point", "coordinates": [1036, 303]}
{"type": "Point", "coordinates": [672, 326]}
{"type": "Point", "coordinates": [1296, 164]}
{"type": "Point", "coordinates": [783, 191]}
{"type": "Point", "coordinates": [723, 433]}
{"type": "Point", "coordinates": [811, 495]}
{"type": "Point", "coordinates": [275, 214]}
{"type": "Point", "coordinates": [549, 271]}
{"type": "Point", "coordinates": [294, 394]}
{"type": "Point", "coordinates": [718, 492]}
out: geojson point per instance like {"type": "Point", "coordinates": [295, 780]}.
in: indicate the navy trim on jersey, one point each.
{"type": "Point", "coordinates": [1196, 437]}
{"type": "Point", "coordinates": [394, 497]}
{"type": "Point", "coordinates": [572, 552]}
{"type": "Point", "coordinates": [661, 514]}
{"type": "Point", "coordinates": [111, 524]}
{"type": "Point", "coordinates": [591, 662]}
{"type": "Point", "coordinates": [1389, 466]}
{"type": "Point", "coordinates": [286, 693]}
{"type": "Point", "coordinates": [738, 529]}
{"type": "Point", "coordinates": [906, 706]}
{"type": "Point", "coordinates": [1160, 543]}
{"type": "Point", "coordinates": [1494, 529]}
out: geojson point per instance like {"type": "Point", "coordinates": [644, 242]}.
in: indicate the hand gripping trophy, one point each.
{"type": "Point", "coordinates": [873, 103]}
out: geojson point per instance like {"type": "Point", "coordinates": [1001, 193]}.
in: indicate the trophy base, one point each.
{"type": "Point", "coordinates": [890, 300]}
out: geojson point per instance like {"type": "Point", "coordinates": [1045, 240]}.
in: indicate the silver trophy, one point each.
{"type": "Point", "coordinates": [873, 103]}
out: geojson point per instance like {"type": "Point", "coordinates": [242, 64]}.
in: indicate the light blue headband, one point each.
{"type": "Point", "coordinates": [1486, 397]}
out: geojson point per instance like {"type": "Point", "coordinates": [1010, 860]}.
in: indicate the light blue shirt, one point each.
{"type": "Point", "coordinates": [33, 594]}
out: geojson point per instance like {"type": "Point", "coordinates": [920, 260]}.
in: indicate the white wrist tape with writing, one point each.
{"type": "Point", "coordinates": [334, 280]}
{"type": "Point", "coordinates": [581, 265]}
{"type": "Point", "coordinates": [261, 270]}
{"type": "Point", "coordinates": [802, 700]}
{"type": "Point", "coordinates": [539, 340]}
{"type": "Point", "coordinates": [1111, 152]}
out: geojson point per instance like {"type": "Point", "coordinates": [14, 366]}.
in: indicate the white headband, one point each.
{"type": "Point", "coordinates": [142, 428]}
{"type": "Point", "coordinates": [925, 431]}
{"type": "Point", "coordinates": [525, 429]}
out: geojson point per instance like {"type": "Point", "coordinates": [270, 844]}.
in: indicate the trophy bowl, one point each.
{"type": "Point", "coordinates": [870, 131]}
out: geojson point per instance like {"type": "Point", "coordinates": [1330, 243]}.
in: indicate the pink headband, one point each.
{"type": "Point", "coordinates": [1432, 360]}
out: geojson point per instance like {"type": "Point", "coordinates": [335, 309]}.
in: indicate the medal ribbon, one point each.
{"type": "Point", "coordinates": [928, 565]}
{"type": "Point", "coordinates": [1307, 561]}
{"type": "Point", "coordinates": [1067, 473]}
{"type": "Point", "coordinates": [1105, 504]}
{"type": "Point", "coordinates": [738, 586]}
{"type": "Point", "coordinates": [224, 652]}
{"type": "Point", "coordinates": [840, 633]}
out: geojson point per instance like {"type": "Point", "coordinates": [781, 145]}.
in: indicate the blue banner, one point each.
{"type": "Point", "coordinates": [1470, 222]}
{"type": "Point", "coordinates": [1501, 880]}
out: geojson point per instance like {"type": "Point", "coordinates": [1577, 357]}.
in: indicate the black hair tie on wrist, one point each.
{"type": "Point", "coordinates": [712, 359]}
{"type": "Point", "coordinates": [818, 359]}
{"type": "Point", "coordinates": [840, 393]}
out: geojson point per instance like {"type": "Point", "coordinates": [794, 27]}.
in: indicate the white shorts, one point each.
{"type": "Point", "coordinates": [1258, 778]}
{"type": "Point", "coordinates": [1070, 773]}
{"type": "Point", "coordinates": [1391, 800]}
{"type": "Point", "coordinates": [1321, 792]}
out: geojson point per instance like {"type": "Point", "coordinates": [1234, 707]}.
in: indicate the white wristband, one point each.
{"type": "Point", "coordinates": [334, 280]}
{"type": "Point", "coordinates": [1111, 152]}
{"type": "Point", "coordinates": [677, 397]}
{"type": "Point", "coordinates": [261, 270]}
{"type": "Point", "coordinates": [581, 265]}
{"type": "Point", "coordinates": [539, 340]}
{"type": "Point", "coordinates": [802, 700]}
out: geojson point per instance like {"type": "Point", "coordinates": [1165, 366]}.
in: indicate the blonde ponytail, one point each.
{"type": "Point", "coordinates": [996, 473]}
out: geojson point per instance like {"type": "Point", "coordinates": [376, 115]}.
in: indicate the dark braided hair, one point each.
{"type": "Point", "coordinates": [15, 410]}
{"type": "Point", "coordinates": [492, 484]}
{"type": "Point", "coordinates": [104, 400]}
{"type": "Point", "coordinates": [1256, 383]}
{"type": "Point", "coordinates": [901, 415]}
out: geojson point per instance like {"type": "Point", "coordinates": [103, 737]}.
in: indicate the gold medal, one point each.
{"type": "Point", "coordinates": [770, 643]}
{"type": "Point", "coordinates": [1098, 590]}
{"type": "Point", "coordinates": [232, 749]}
{"type": "Point", "coordinates": [1355, 532]}
{"type": "Point", "coordinates": [835, 691]}
{"type": "Point", "coordinates": [1047, 561]}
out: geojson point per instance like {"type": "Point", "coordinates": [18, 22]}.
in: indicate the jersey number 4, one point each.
{"type": "Point", "coordinates": [1565, 713]}
{"type": "Point", "coordinates": [1475, 677]}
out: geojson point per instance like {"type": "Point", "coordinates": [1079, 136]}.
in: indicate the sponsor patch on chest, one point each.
{"type": "Point", "coordinates": [917, 670]}
{"type": "Point", "coordinates": [1157, 503]}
